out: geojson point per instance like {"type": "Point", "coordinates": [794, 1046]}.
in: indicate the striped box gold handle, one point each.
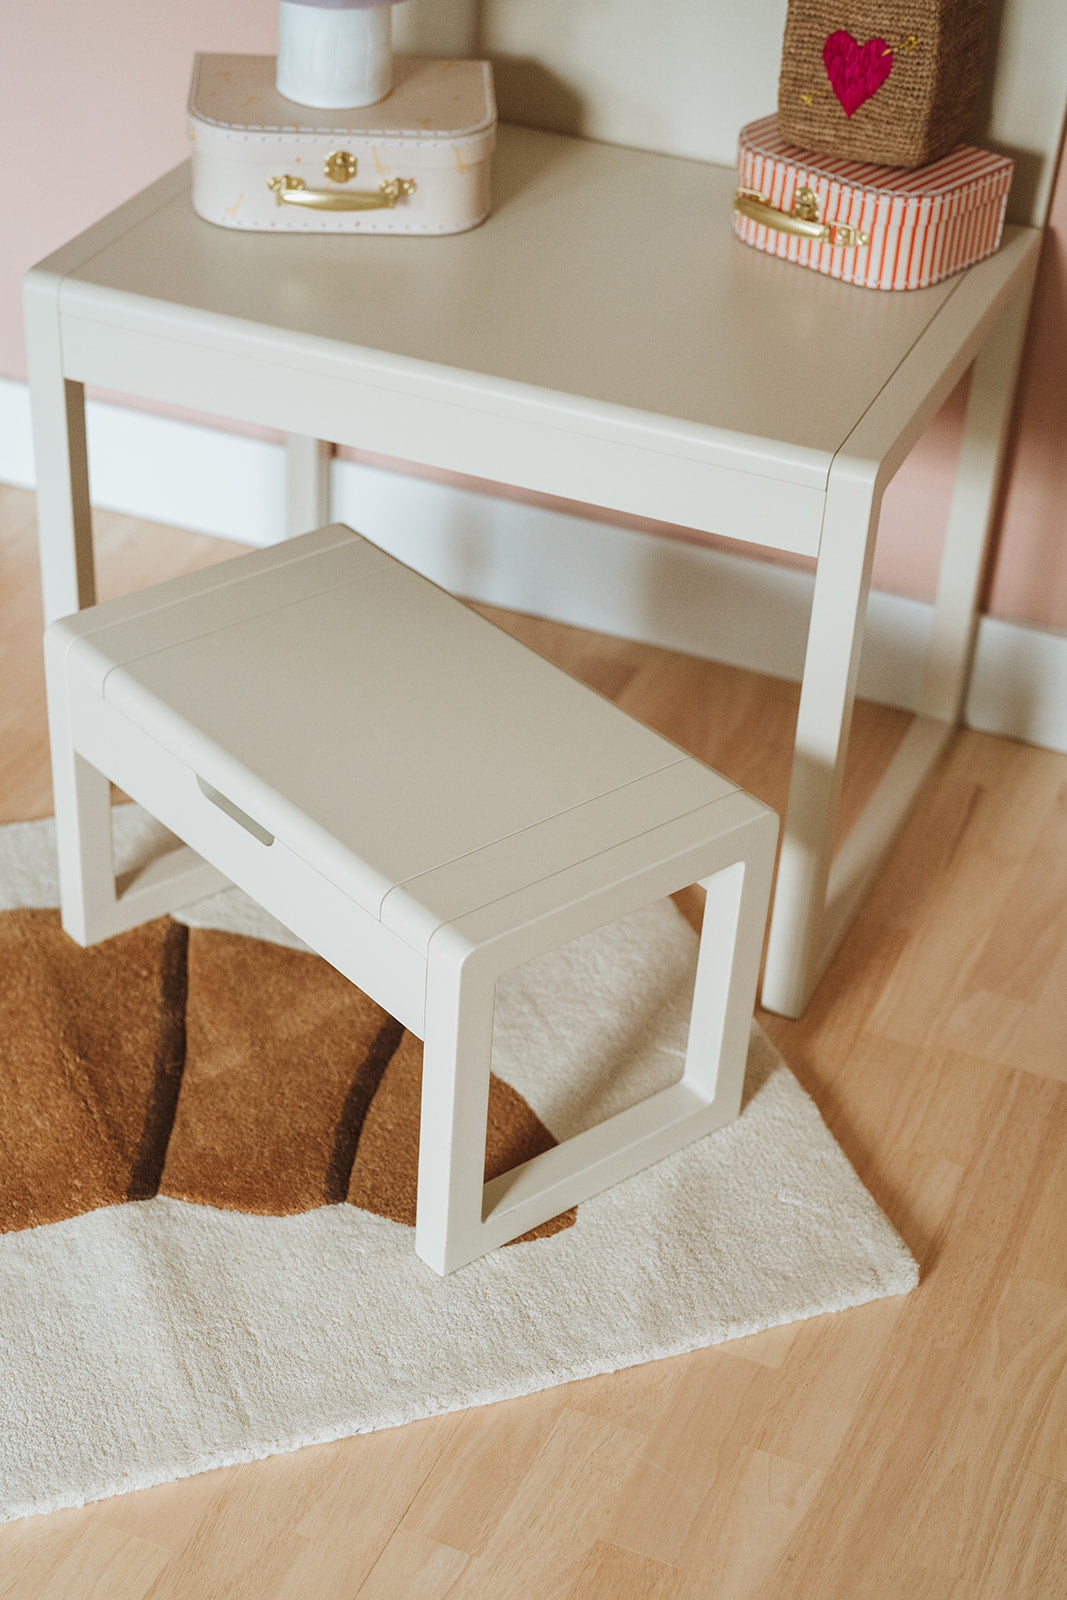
{"type": "Point", "coordinates": [802, 221]}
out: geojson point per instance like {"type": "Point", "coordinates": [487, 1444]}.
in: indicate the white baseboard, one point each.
{"type": "Point", "coordinates": [682, 596]}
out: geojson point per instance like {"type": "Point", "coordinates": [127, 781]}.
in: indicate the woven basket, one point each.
{"type": "Point", "coordinates": [890, 81]}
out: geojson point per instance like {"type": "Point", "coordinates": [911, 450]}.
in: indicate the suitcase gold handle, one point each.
{"type": "Point", "coordinates": [294, 192]}
{"type": "Point", "coordinates": [803, 220]}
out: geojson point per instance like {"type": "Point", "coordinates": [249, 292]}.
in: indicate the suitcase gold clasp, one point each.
{"type": "Point", "coordinates": [844, 233]}
{"type": "Point", "coordinates": [806, 205]}
{"type": "Point", "coordinates": [339, 166]}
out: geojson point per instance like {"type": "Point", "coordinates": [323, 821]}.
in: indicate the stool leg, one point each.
{"type": "Point", "coordinates": [459, 1217]}
{"type": "Point", "coordinates": [82, 800]}
{"type": "Point", "coordinates": [83, 849]}
{"type": "Point", "coordinates": [94, 904]}
{"type": "Point", "coordinates": [724, 993]}
{"type": "Point", "coordinates": [457, 1050]}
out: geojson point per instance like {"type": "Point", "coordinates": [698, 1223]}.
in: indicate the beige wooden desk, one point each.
{"type": "Point", "coordinates": [602, 337]}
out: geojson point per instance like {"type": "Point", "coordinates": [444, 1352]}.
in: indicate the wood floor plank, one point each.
{"type": "Point", "coordinates": [1031, 1555]}
{"type": "Point", "coordinates": [169, 1514]}
{"type": "Point", "coordinates": [1043, 1247]}
{"type": "Point", "coordinates": [87, 1560]}
{"type": "Point", "coordinates": [998, 926]}
{"type": "Point", "coordinates": [943, 1110]}
{"type": "Point", "coordinates": [478, 1473]}
{"type": "Point", "coordinates": [1011, 1031]}
{"type": "Point", "coordinates": [297, 1568]}
{"type": "Point", "coordinates": [904, 1582]}
{"type": "Point", "coordinates": [1033, 928]}
{"type": "Point", "coordinates": [556, 1515]}
{"type": "Point", "coordinates": [821, 1386]}
{"type": "Point", "coordinates": [694, 1448]}
{"type": "Point", "coordinates": [246, 1544]}
{"type": "Point", "coordinates": [978, 1464]}
{"type": "Point", "coordinates": [934, 973]}
{"type": "Point", "coordinates": [930, 844]}
{"type": "Point", "coordinates": [1048, 1455]}
{"type": "Point", "coordinates": [894, 1107]}
{"type": "Point", "coordinates": [1017, 783]}
{"type": "Point", "coordinates": [366, 1485]}
{"type": "Point", "coordinates": [609, 1573]}
{"type": "Point", "coordinates": [413, 1566]}
{"type": "Point", "coordinates": [655, 1513]}
{"type": "Point", "coordinates": [747, 1525]}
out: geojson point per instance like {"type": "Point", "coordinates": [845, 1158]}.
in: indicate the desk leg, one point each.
{"type": "Point", "coordinates": [308, 497]}
{"type": "Point", "coordinates": [828, 692]}
{"type": "Point", "coordinates": [92, 905]}
{"type": "Point", "coordinates": [82, 797]}
{"type": "Point", "coordinates": [974, 500]}
{"type": "Point", "coordinates": [816, 897]}
{"type": "Point", "coordinates": [64, 519]}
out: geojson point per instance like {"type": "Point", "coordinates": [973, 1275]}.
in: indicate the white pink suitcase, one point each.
{"type": "Point", "coordinates": [416, 162]}
{"type": "Point", "coordinates": [882, 227]}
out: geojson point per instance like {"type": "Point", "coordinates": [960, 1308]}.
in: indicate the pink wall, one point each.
{"type": "Point", "coordinates": [1028, 581]}
{"type": "Point", "coordinates": [92, 107]}
{"type": "Point", "coordinates": [92, 96]}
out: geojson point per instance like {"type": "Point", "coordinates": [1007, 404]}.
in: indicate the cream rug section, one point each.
{"type": "Point", "coordinates": [146, 1342]}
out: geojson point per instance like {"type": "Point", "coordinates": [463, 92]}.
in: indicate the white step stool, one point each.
{"type": "Point", "coordinates": [424, 802]}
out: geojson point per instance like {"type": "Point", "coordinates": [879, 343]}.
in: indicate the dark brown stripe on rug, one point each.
{"type": "Point", "coordinates": [81, 1044]}
{"type": "Point", "coordinates": [167, 1068]}
{"type": "Point", "coordinates": [364, 1087]}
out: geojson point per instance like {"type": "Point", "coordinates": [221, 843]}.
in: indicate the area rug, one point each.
{"type": "Point", "coordinates": [207, 1160]}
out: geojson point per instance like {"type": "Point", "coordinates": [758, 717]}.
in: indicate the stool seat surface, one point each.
{"type": "Point", "coordinates": [361, 715]}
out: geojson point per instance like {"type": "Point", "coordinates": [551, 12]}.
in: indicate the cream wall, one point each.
{"type": "Point", "coordinates": [92, 97]}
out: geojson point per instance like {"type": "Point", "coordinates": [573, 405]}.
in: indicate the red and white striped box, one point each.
{"type": "Point", "coordinates": [882, 227]}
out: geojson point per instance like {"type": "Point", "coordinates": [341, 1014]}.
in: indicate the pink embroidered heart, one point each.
{"type": "Point", "coordinates": [856, 71]}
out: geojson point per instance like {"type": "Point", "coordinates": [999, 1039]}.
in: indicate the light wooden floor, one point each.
{"type": "Point", "coordinates": [914, 1449]}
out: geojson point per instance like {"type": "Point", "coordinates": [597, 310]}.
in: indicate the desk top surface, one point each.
{"type": "Point", "coordinates": [605, 277]}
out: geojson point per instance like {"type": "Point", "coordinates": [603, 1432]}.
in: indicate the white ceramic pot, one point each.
{"type": "Point", "coordinates": [335, 53]}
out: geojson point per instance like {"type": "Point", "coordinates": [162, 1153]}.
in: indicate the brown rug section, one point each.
{"type": "Point", "coordinates": [385, 1172]}
{"type": "Point", "coordinates": [274, 1040]}
{"type": "Point", "coordinates": [212, 1068]}
{"type": "Point", "coordinates": [299, 1091]}
{"type": "Point", "coordinates": [91, 1045]}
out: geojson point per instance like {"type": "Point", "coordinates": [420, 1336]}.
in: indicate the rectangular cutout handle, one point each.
{"type": "Point", "coordinates": [242, 818]}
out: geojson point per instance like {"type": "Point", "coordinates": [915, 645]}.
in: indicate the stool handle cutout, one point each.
{"type": "Point", "coordinates": [242, 818]}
